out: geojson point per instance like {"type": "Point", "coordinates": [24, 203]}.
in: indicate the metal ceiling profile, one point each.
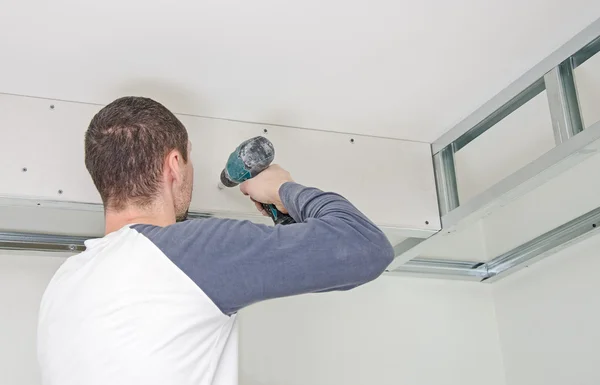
{"type": "Point", "coordinates": [573, 144]}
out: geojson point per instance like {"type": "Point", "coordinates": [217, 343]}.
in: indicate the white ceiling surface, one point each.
{"type": "Point", "coordinates": [401, 69]}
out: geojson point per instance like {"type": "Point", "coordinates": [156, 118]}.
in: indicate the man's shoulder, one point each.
{"type": "Point", "coordinates": [190, 228]}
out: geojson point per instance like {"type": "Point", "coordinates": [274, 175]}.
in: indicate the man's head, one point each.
{"type": "Point", "coordinates": [138, 155]}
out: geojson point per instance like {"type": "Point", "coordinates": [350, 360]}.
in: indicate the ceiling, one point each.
{"type": "Point", "coordinates": [401, 69]}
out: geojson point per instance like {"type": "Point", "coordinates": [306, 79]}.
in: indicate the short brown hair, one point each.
{"type": "Point", "coordinates": [125, 146]}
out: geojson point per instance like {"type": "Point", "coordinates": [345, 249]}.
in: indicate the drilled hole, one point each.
{"type": "Point", "coordinates": [52, 106]}
{"type": "Point", "coordinates": [265, 130]}
{"type": "Point", "coordinates": [24, 169]}
{"type": "Point", "coordinates": [60, 191]}
{"type": "Point", "coordinates": [594, 225]}
{"type": "Point", "coordinates": [426, 222]}
{"type": "Point", "coordinates": [352, 140]}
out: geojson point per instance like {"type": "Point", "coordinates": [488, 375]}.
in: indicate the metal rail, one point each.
{"type": "Point", "coordinates": [76, 244]}
{"type": "Point", "coordinates": [573, 144]}
{"type": "Point", "coordinates": [521, 256]}
{"type": "Point", "coordinates": [581, 47]}
{"type": "Point", "coordinates": [544, 245]}
{"type": "Point", "coordinates": [41, 242]}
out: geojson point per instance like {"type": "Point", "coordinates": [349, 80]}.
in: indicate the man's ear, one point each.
{"type": "Point", "coordinates": [173, 166]}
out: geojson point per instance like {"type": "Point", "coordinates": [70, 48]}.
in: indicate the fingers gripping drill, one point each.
{"type": "Point", "coordinates": [248, 160]}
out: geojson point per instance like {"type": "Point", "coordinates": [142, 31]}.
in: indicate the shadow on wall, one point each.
{"type": "Point", "coordinates": [175, 97]}
{"type": "Point", "coordinates": [182, 100]}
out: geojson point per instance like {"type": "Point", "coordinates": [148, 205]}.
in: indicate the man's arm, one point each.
{"type": "Point", "coordinates": [236, 263]}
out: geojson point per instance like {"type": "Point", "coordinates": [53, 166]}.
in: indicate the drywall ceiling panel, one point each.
{"type": "Point", "coordinates": [41, 158]}
{"type": "Point", "coordinates": [403, 69]}
{"type": "Point", "coordinates": [60, 218]}
{"type": "Point", "coordinates": [467, 243]}
{"type": "Point", "coordinates": [27, 217]}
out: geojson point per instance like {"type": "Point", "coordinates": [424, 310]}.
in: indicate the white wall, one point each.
{"type": "Point", "coordinates": [549, 316]}
{"type": "Point", "coordinates": [394, 330]}
{"type": "Point", "coordinates": [23, 278]}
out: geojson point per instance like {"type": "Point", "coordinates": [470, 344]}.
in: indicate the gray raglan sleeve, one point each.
{"type": "Point", "coordinates": [236, 263]}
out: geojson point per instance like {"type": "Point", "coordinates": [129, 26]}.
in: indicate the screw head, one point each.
{"type": "Point", "coordinates": [72, 247]}
{"type": "Point", "coordinates": [52, 106]}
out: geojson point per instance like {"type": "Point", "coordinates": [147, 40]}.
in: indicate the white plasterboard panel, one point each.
{"type": "Point", "coordinates": [390, 180]}
{"type": "Point", "coordinates": [71, 218]}
{"type": "Point", "coordinates": [559, 200]}
{"type": "Point", "coordinates": [394, 236]}
{"type": "Point", "coordinates": [43, 217]}
{"type": "Point", "coordinates": [404, 69]}
{"type": "Point", "coordinates": [464, 244]}
{"type": "Point", "coordinates": [30, 218]}
{"type": "Point", "coordinates": [587, 77]}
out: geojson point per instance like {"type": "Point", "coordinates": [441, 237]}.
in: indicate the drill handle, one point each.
{"type": "Point", "coordinates": [277, 216]}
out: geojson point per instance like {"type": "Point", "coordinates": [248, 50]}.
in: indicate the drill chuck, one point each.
{"type": "Point", "coordinates": [226, 180]}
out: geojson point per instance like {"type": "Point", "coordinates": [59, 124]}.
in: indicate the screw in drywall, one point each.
{"type": "Point", "coordinates": [60, 191]}
{"type": "Point", "coordinates": [72, 247]}
{"type": "Point", "coordinates": [352, 140]}
{"type": "Point", "coordinates": [265, 131]}
{"type": "Point", "coordinates": [24, 169]}
{"type": "Point", "coordinates": [52, 106]}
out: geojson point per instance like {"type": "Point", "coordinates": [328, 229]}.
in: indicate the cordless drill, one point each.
{"type": "Point", "coordinates": [247, 161]}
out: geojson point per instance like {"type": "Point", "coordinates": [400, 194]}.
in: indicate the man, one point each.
{"type": "Point", "coordinates": [155, 300]}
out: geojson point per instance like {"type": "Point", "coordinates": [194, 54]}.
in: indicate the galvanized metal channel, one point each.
{"type": "Point", "coordinates": [555, 74]}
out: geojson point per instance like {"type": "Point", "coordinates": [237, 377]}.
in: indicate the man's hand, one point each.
{"type": "Point", "coordinates": [264, 188]}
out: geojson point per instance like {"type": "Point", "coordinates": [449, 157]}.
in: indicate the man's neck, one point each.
{"type": "Point", "coordinates": [157, 216]}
